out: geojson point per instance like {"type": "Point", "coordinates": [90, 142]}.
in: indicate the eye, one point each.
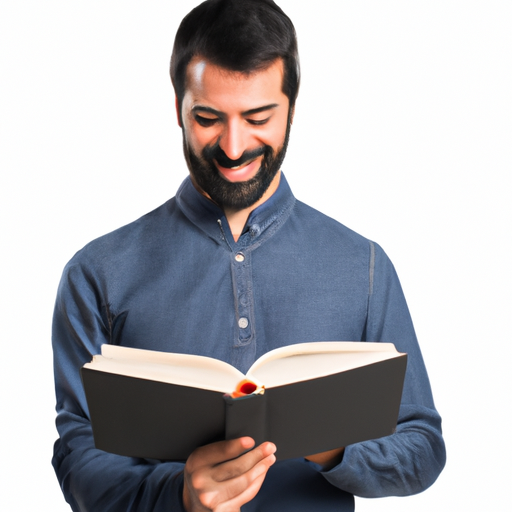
{"type": "Point", "coordinates": [258, 122]}
{"type": "Point", "coordinates": [206, 122]}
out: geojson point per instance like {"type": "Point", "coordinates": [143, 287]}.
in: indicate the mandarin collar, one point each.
{"type": "Point", "coordinates": [263, 221]}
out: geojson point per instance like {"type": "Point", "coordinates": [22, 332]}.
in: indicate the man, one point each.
{"type": "Point", "coordinates": [232, 267]}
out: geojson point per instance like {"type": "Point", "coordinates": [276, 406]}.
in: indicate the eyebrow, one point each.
{"type": "Point", "coordinates": [260, 109]}
{"type": "Point", "coordinates": [252, 111]}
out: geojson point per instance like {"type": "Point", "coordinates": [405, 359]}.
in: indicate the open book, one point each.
{"type": "Point", "coordinates": [305, 398]}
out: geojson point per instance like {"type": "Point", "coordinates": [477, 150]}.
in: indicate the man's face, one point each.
{"type": "Point", "coordinates": [235, 131]}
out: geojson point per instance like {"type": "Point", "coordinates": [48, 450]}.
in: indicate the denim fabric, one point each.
{"type": "Point", "coordinates": [175, 280]}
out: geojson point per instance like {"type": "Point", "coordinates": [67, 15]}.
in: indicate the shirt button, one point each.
{"type": "Point", "coordinates": [243, 322]}
{"type": "Point", "coordinates": [239, 257]}
{"type": "Point", "coordinates": [254, 230]}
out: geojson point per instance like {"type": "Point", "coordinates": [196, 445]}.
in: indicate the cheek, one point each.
{"type": "Point", "coordinates": [275, 135]}
{"type": "Point", "coordinates": [196, 139]}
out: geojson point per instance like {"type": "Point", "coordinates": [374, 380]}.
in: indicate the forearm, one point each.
{"type": "Point", "coordinates": [404, 463]}
{"type": "Point", "coordinates": [93, 480]}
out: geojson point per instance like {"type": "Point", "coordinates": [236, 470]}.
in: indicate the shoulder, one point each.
{"type": "Point", "coordinates": [321, 227]}
{"type": "Point", "coordinates": [127, 242]}
{"type": "Point", "coordinates": [323, 233]}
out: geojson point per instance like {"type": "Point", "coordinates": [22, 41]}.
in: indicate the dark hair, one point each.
{"type": "Point", "coordinates": [240, 35]}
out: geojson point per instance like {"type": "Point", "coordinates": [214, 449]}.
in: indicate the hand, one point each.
{"type": "Point", "coordinates": [327, 459]}
{"type": "Point", "coordinates": [219, 478]}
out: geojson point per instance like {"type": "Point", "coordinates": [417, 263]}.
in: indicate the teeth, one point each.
{"type": "Point", "coordinates": [236, 167]}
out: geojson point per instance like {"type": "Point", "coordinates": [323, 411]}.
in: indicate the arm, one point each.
{"type": "Point", "coordinates": [91, 479]}
{"type": "Point", "coordinates": [95, 480]}
{"type": "Point", "coordinates": [410, 460]}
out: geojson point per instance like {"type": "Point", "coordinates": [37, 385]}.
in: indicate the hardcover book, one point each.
{"type": "Point", "coordinates": [305, 398]}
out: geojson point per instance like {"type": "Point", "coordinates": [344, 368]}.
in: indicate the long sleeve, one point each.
{"type": "Point", "coordinates": [169, 282]}
{"type": "Point", "coordinates": [91, 479]}
{"type": "Point", "coordinates": [410, 460]}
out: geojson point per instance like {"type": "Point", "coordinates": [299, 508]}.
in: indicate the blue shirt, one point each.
{"type": "Point", "coordinates": [175, 280]}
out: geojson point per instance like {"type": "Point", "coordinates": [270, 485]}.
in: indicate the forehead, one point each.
{"type": "Point", "coordinates": [207, 83]}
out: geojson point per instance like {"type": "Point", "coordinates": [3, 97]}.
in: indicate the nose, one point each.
{"type": "Point", "coordinates": [233, 140]}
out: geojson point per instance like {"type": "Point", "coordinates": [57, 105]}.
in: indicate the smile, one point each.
{"type": "Point", "coordinates": [236, 167]}
{"type": "Point", "coordinates": [241, 172]}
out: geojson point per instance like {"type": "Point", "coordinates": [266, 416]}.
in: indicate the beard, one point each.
{"type": "Point", "coordinates": [234, 195]}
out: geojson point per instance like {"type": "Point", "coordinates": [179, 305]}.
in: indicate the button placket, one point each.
{"type": "Point", "coordinates": [244, 297]}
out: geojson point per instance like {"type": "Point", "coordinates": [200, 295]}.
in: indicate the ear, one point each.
{"type": "Point", "coordinates": [178, 113]}
{"type": "Point", "coordinates": [292, 114]}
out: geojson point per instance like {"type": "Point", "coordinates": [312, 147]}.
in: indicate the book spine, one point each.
{"type": "Point", "coordinates": [246, 416]}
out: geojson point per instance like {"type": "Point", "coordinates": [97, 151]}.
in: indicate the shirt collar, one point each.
{"type": "Point", "coordinates": [263, 221]}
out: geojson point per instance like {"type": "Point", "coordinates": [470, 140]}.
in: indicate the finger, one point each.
{"type": "Point", "coordinates": [327, 459]}
{"type": "Point", "coordinates": [201, 486]}
{"type": "Point", "coordinates": [217, 453]}
{"type": "Point", "coordinates": [248, 492]}
{"type": "Point", "coordinates": [245, 463]}
{"type": "Point", "coordinates": [239, 485]}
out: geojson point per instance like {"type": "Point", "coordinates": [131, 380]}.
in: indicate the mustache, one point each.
{"type": "Point", "coordinates": [215, 152]}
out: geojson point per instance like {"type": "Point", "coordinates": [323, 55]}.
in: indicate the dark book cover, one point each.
{"type": "Point", "coordinates": [144, 418]}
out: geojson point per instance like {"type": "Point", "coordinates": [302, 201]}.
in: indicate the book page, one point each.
{"type": "Point", "coordinates": [304, 361]}
{"type": "Point", "coordinates": [183, 369]}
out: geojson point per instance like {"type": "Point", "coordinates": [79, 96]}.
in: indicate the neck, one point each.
{"type": "Point", "coordinates": [238, 218]}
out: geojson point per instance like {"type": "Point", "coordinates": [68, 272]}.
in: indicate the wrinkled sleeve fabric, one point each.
{"type": "Point", "coordinates": [411, 459]}
{"type": "Point", "coordinates": [91, 479]}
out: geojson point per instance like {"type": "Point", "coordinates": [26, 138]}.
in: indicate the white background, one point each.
{"type": "Point", "coordinates": [403, 132]}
